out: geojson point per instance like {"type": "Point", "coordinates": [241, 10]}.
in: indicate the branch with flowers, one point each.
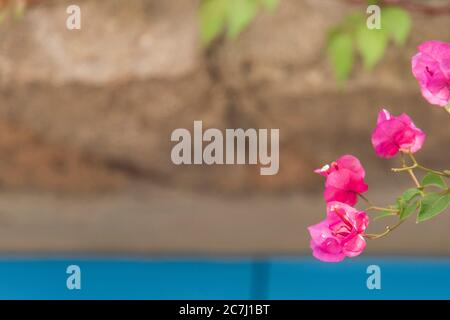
{"type": "Point", "coordinates": [343, 232]}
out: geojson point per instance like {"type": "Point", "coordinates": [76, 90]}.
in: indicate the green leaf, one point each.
{"type": "Point", "coordinates": [240, 14]}
{"type": "Point", "coordinates": [409, 209]}
{"type": "Point", "coordinates": [397, 23]}
{"type": "Point", "coordinates": [432, 179]}
{"type": "Point", "coordinates": [401, 203]}
{"type": "Point", "coordinates": [213, 15]}
{"type": "Point", "coordinates": [409, 194]}
{"type": "Point", "coordinates": [432, 205]}
{"type": "Point", "coordinates": [270, 4]}
{"type": "Point", "coordinates": [340, 51]}
{"type": "Point", "coordinates": [406, 203]}
{"type": "Point", "coordinates": [371, 44]}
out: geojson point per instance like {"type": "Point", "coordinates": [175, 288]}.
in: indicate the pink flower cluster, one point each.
{"type": "Point", "coordinates": [393, 134]}
{"type": "Point", "coordinates": [431, 67]}
{"type": "Point", "coordinates": [344, 180]}
{"type": "Point", "coordinates": [341, 234]}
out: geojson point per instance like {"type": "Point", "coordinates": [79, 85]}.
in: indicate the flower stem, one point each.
{"type": "Point", "coordinates": [365, 199]}
{"type": "Point", "coordinates": [372, 236]}
{"type": "Point", "coordinates": [440, 173]}
{"type": "Point", "coordinates": [419, 166]}
{"type": "Point", "coordinates": [404, 168]}
{"type": "Point", "coordinates": [410, 171]}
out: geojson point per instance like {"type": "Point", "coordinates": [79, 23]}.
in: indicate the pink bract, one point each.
{"type": "Point", "coordinates": [393, 134]}
{"type": "Point", "coordinates": [340, 235]}
{"type": "Point", "coordinates": [344, 180]}
{"type": "Point", "coordinates": [431, 67]}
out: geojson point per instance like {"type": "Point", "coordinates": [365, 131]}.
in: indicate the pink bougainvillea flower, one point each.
{"type": "Point", "coordinates": [340, 235]}
{"type": "Point", "coordinates": [393, 134]}
{"type": "Point", "coordinates": [344, 180]}
{"type": "Point", "coordinates": [431, 67]}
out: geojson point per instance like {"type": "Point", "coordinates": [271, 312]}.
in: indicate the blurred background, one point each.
{"type": "Point", "coordinates": [86, 117]}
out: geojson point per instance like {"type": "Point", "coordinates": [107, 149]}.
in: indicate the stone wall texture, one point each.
{"type": "Point", "coordinates": [93, 109]}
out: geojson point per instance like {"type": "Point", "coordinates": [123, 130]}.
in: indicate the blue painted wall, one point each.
{"type": "Point", "coordinates": [224, 278]}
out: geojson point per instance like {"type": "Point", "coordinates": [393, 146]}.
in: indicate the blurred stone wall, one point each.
{"type": "Point", "coordinates": [95, 108]}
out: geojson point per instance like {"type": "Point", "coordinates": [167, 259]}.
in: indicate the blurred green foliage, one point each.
{"type": "Point", "coordinates": [14, 8]}
{"type": "Point", "coordinates": [230, 16]}
{"type": "Point", "coordinates": [353, 36]}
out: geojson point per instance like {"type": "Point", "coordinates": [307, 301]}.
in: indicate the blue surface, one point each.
{"type": "Point", "coordinates": [222, 278]}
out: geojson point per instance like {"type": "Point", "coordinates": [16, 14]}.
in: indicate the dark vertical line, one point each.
{"type": "Point", "coordinates": [260, 280]}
